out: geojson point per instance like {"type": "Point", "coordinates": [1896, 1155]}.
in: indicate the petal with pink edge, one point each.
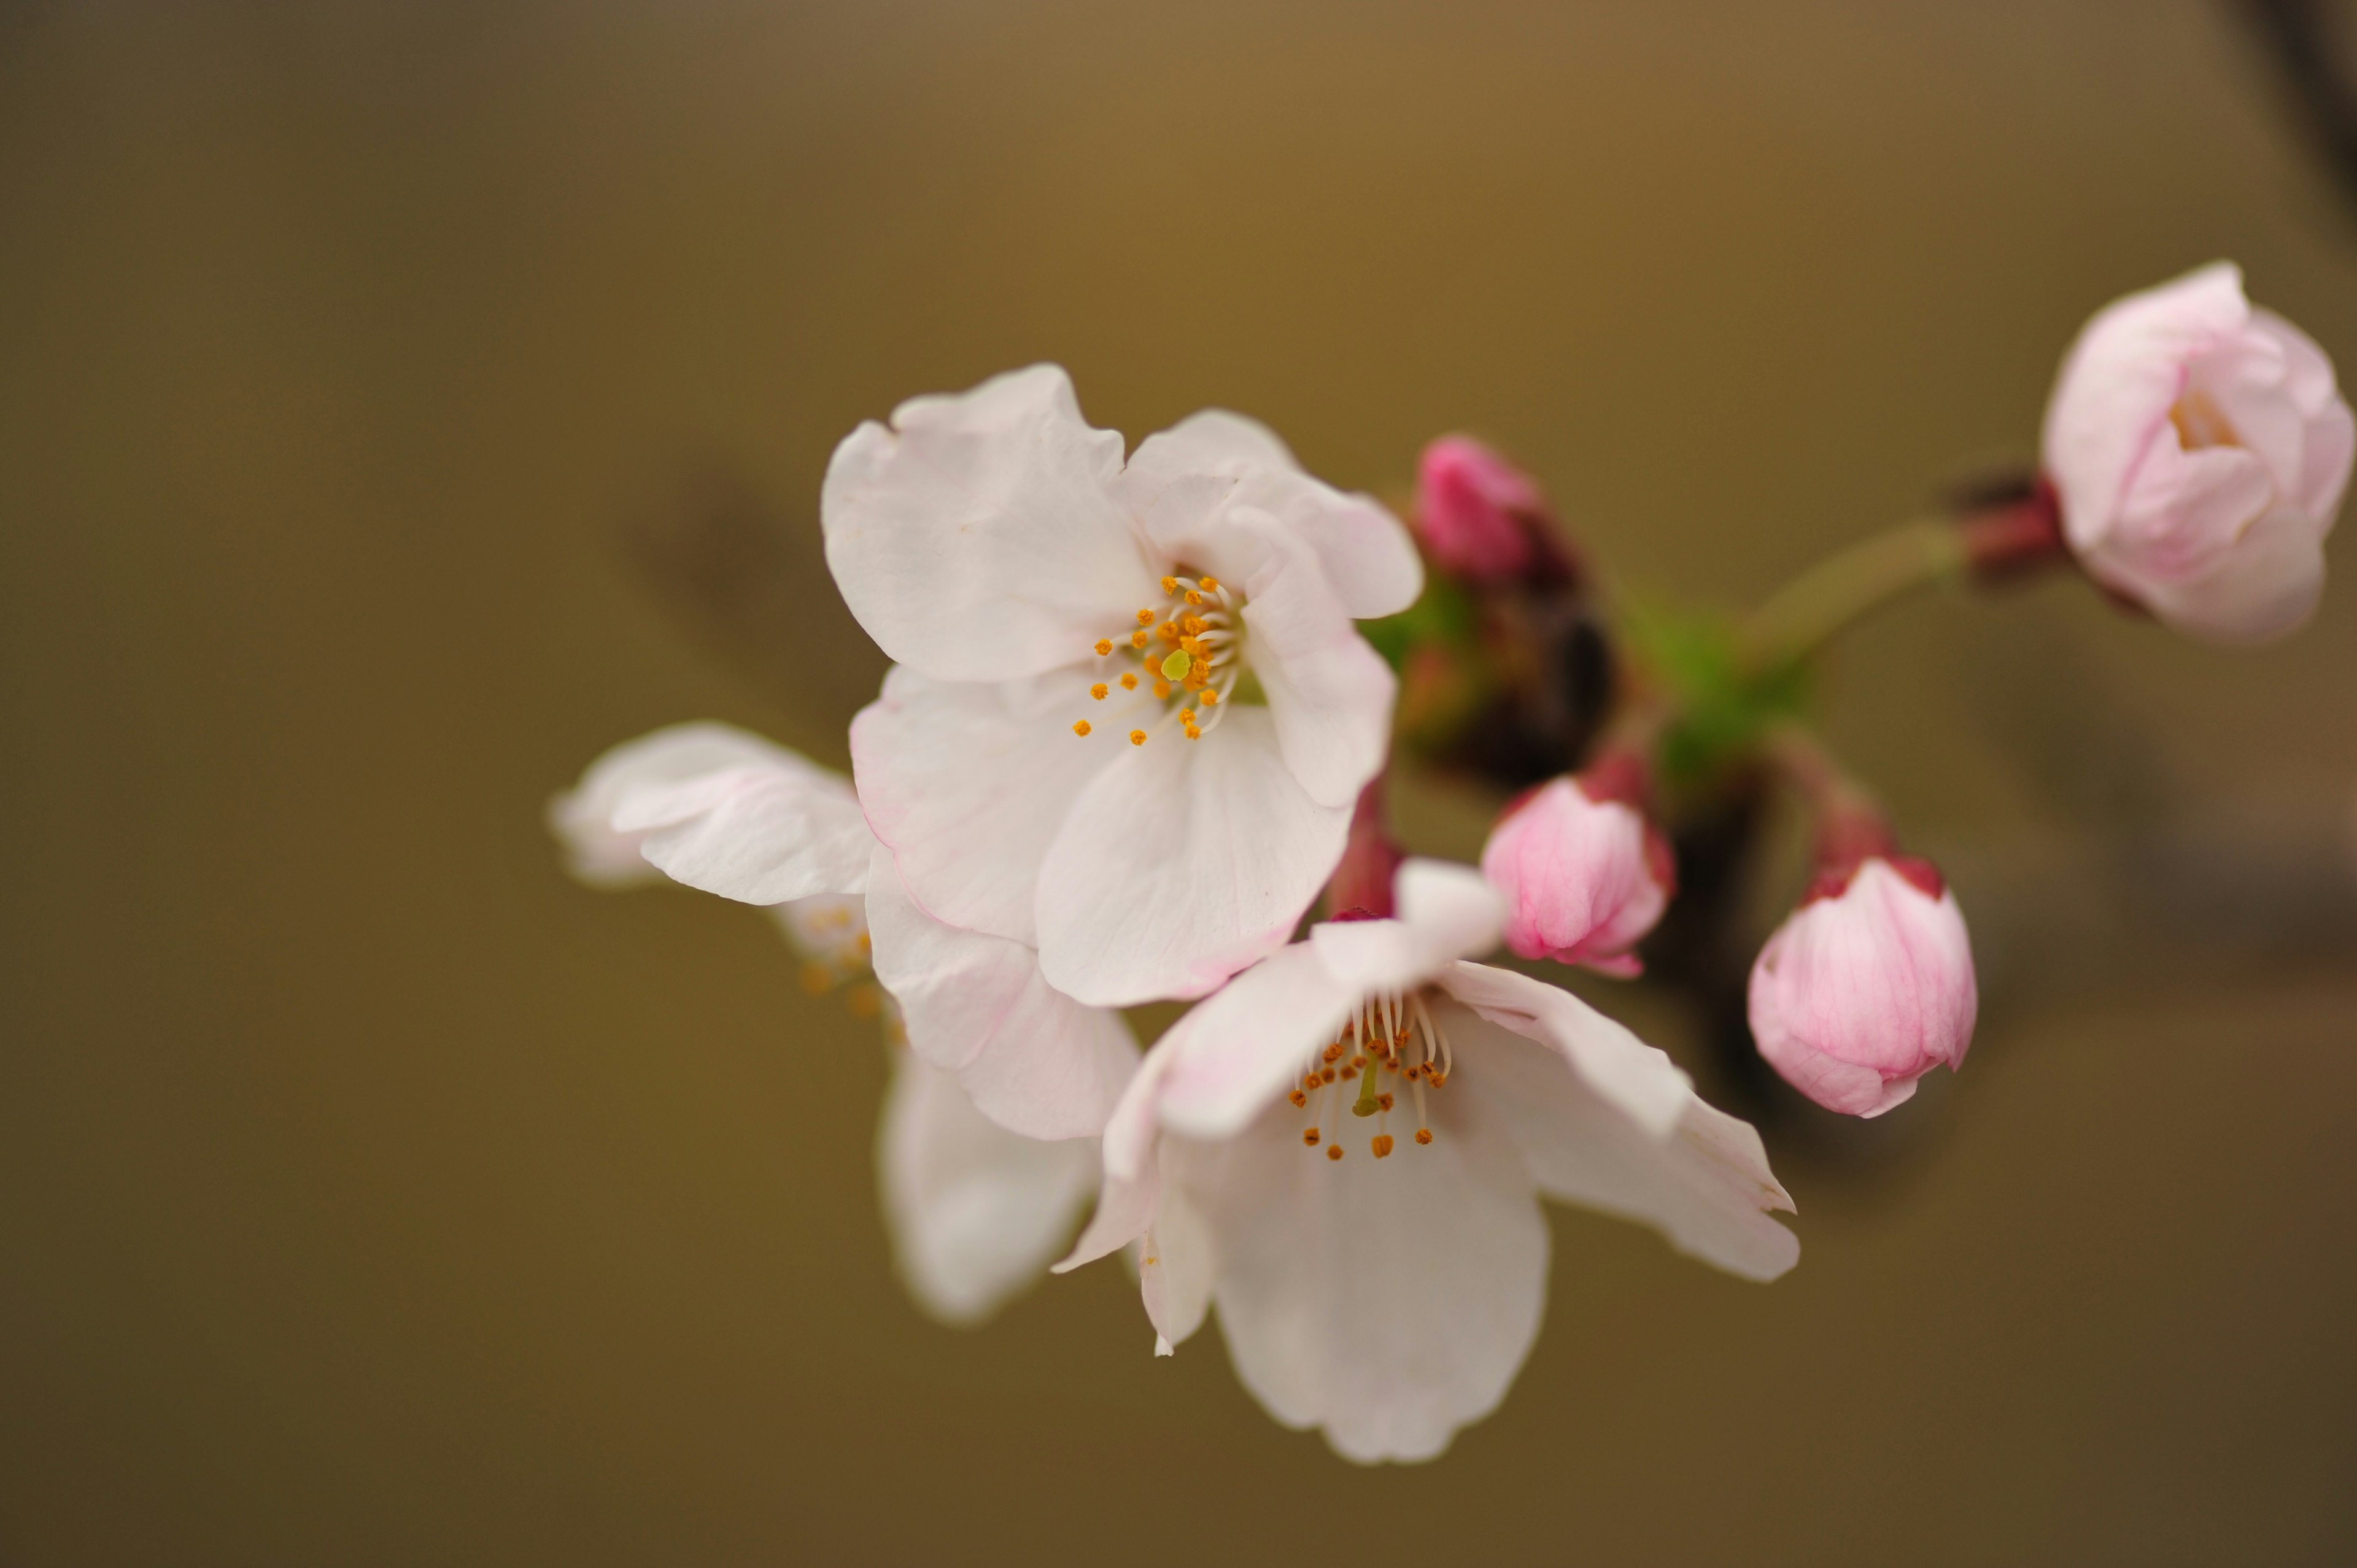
{"type": "Point", "coordinates": [978, 537]}
{"type": "Point", "coordinates": [975, 1212]}
{"type": "Point", "coordinates": [1237, 1048]}
{"type": "Point", "coordinates": [582, 817]}
{"type": "Point", "coordinates": [1445, 913]}
{"type": "Point", "coordinates": [1638, 1079]}
{"type": "Point", "coordinates": [1182, 863]}
{"type": "Point", "coordinates": [969, 784]}
{"type": "Point", "coordinates": [1035, 1061]}
{"type": "Point", "coordinates": [762, 832]}
{"type": "Point", "coordinates": [1385, 1302]}
{"type": "Point", "coordinates": [1180, 483]}
{"type": "Point", "coordinates": [1705, 1185]}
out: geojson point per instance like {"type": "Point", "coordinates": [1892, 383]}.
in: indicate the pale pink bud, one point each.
{"type": "Point", "coordinates": [1583, 874]}
{"type": "Point", "coordinates": [2200, 448]}
{"type": "Point", "coordinates": [1471, 509]}
{"type": "Point", "coordinates": [1866, 987]}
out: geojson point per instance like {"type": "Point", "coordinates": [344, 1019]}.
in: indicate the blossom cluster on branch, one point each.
{"type": "Point", "coordinates": [1140, 713]}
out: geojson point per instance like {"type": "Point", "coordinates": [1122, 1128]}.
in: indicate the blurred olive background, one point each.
{"type": "Point", "coordinates": [371, 376]}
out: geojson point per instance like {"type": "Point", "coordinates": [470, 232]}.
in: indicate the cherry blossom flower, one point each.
{"type": "Point", "coordinates": [1471, 509]}
{"type": "Point", "coordinates": [2201, 450]}
{"type": "Point", "coordinates": [1867, 986]}
{"type": "Point", "coordinates": [1586, 876]}
{"type": "Point", "coordinates": [1131, 711]}
{"type": "Point", "coordinates": [1344, 1149]}
{"type": "Point", "coordinates": [975, 1212]}
{"type": "Point", "coordinates": [726, 811]}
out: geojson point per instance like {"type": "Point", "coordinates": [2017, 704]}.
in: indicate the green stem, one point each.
{"type": "Point", "coordinates": [1850, 584]}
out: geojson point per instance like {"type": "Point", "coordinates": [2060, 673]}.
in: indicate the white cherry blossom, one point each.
{"type": "Point", "coordinates": [1131, 711]}
{"type": "Point", "coordinates": [728, 812]}
{"type": "Point", "coordinates": [1344, 1149]}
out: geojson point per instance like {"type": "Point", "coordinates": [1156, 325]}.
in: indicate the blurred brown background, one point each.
{"type": "Point", "coordinates": [369, 1193]}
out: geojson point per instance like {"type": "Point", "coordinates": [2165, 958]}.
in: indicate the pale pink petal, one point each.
{"type": "Point", "coordinates": [1182, 863]}
{"type": "Point", "coordinates": [1858, 995]}
{"type": "Point", "coordinates": [1176, 1266]}
{"type": "Point", "coordinates": [1236, 1049]}
{"type": "Point", "coordinates": [975, 1212]}
{"type": "Point", "coordinates": [1577, 876]}
{"type": "Point", "coordinates": [2276, 579]}
{"type": "Point", "coordinates": [761, 832]}
{"type": "Point", "coordinates": [1445, 913]}
{"type": "Point", "coordinates": [1182, 483]}
{"type": "Point", "coordinates": [979, 537]}
{"type": "Point", "coordinates": [1132, 1192]}
{"type": "Point", "coordinates": [2113, 396]}
{"type": "Point", "coordinates": [1639, 1081]}
{"type": "Point", "coordinates": [969, 783]}
{"type": "Point", "coordinates": [1704, 1182]}
{"type": "Point", "coordinates": [582, 817]}
{"type": "Point", "coordinates": [2331, 432]}
{"type": "Point", "coordinates": [1330, 692]}
{"type": "Point", "coordinates": [1385, 1302]}
{"type": "Point", "coordinates": [1034, 1061]}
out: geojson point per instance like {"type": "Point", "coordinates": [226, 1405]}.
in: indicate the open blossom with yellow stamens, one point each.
{"type": "Point", "coordinates": [1047, 601]}
{"type": "Point", "coordinates": [1385, 1290]}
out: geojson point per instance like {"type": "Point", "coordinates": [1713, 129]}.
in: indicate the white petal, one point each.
{"type": "Point", "coordinates": [1388, 1301]}
{"type": "Point", "coordinates": [1181, 864]}
{"type": "Point", "coordinates": [975, 1212]}
{"type": "Point", "coordinates": [1330, 692]}
{"type": "Point", "coordinates": [1445, 913]}
{"type": "Point", "coordinates": [1180, 482]}
{"type": "Point", "coordinates": [1229, 1055]}
{"type": "Point", "coordinates": [1175, 1272]}
{"type": "Point", "coordinates": [969, 784]}
{"type": "Point", "coordinates": [582, 816]}
{"type": "Point", "coordinates": [762, 832]}
{"type": "Point", "coordinates": [1638, 1081]}
{"type": "Point", "coordinates": [979, 538]}
{"type": "Point", "coordinates": [2265, 589]}
{"type": "Point", "coordinates": [1705, 1185]}
{"type": "Point", "coordinates": [1035, 1060]}
{"type": "Point", "coordinates": [1132, 1192]}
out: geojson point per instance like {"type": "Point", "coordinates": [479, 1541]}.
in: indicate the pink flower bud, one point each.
{"type": "Point", "coordinates": [1867, 986]}
{"type": "Point", "coordinates": [1470, 507]}
{"type": "Point", "coordinates": [2200, 448]}
{"type": "Point", "coordinates": [1583, 874]}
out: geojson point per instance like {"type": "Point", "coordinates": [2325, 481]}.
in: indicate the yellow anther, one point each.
{"type": "Point", "coordinates": [1435, 1078]}
{"type": "Point", "coordinates": [1104, 645]}
{"type": "Point", "coordinates": [1349, 1073]}
{"type": "Point", "coordinates": [1161, 689]}
{"type": "Point", "coordinates": [1187, 718]}
{"type": "Point", "coordinates": [1381, 1144]}
{"type": "Point", "coordinates": [1209, 584]}
{"type": "Point", "coordinates": [1309, 1136]}
{"type": "Point", "coordinates": [1138, 737]}
{"type": "Point", "coordinates": [1198, 624]}
{"type": "Point", "coordinates": [1137, 639]}
{"type": "Point", "coordinates": [1099, 691]}
{"type": "Point", "coordinates": [1423, 1134]}
{"type": "Point", "coordinates": [1299, 1099]}
{"type": "Point", "coordinates": [1079, 726]}
{"type": "Point", "coordinates": [1210, 699]}
{"type": "Point", "coordinates": [1129, 681]}
{"type": "Point", "coordinates": [1334, 1052]}
{"type": "Point", "coordinates": [1199, 670]}
{"type": "Point", "coordinates": [1333, 1151]}
{"type": "Point", "coordinates": [1169, 584]}
{"type": "Point", "coordinates": [1167, 631]}
{"type": "Point", "coordinates": [1146, 617]}
{"type": "Point", "coordinates": [1384, 1100]}
{"type": "Point", "coordinates": [1326, 1075]}
{"type": "Point", "coordinates": [1193, 597]}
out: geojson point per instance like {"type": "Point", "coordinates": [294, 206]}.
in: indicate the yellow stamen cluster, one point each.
{"type": "Point", "coordinates": [1390, 1035]}
{"type": "Point", "coordinates": [1188, 650]}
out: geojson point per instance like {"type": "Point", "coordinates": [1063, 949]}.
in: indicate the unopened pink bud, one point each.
{"type": "Point", "coordinates": [2200, 448]}
{"type": "Point", "coordinates": [1471, 509]}
{"type": "Point", "coordinates": [1583, 874]}
{"type": "Point", "coordinates": [1866, 987]}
